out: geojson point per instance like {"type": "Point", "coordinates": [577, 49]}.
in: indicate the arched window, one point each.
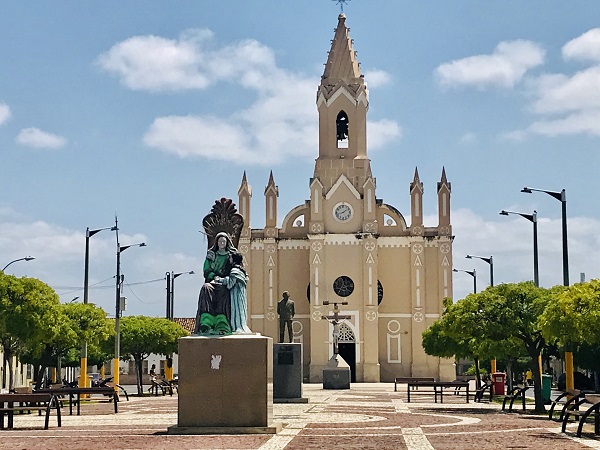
{"type": "Point", "coordinates": [341, 124]}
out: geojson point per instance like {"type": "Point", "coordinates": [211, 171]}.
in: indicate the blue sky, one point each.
{"type": "Point", "coordinates": [152, 110]}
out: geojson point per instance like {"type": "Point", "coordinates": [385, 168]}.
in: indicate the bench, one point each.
{"type": "Point", "coordinates": [565, 400]}
{"type": "Point", "coordinates": [480, 393]}
{"type": "Point", "coordinates": [588, 405]}
{"type": "Point", "coordinates": [399, 380]}
{"type": "Point", "coordinates": [11, 403]}
{"type": "Point", "coordinates": [515, 393]}
{"type": "Point", "coordinates": [75, 395]}
{"type": "Point", "coordinates": [160, 385]}
{"type": "Point", "coordinates": [438, 388]}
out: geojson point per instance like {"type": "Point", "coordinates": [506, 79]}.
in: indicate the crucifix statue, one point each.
{"type": "Point", "coordinates": [335, 319]}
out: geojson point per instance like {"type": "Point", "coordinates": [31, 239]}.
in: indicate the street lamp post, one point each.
{"type": "Point", "coordinates": [170, 276]}
{"type": "Point", "coordinates": [119, 284]}
{"type": "Point", "coordinates": [473, 273]}
{"type": "Point", "coordinates": [88, 234]}
{"type": "Point", "coordinates": [533, 219]}
{"type": "Point", "coordinates": [27, 258]}
{"type": "Point", "coordinates": [490, 261]}
{"type": "Point", "coordinates": [562, 197]}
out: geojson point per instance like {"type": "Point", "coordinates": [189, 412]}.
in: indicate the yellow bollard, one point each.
{"type": "Point", "coordinates": [570, 378]}
{"type": "Point", "coordinates": [493, 366]}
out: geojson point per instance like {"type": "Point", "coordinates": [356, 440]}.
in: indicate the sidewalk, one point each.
{"type": "Point", "coordinates": [367, 416]}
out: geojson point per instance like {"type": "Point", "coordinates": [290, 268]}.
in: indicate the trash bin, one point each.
{"type": "Point", "coordinates": [498, 378]}
{"type": "Point", "coordinates": [546, 387]}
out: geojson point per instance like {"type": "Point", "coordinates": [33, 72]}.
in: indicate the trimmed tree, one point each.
{"type": "Point", "coordinates": [142, 336]}
{"type": "Point", "coordinates": [28, 317]}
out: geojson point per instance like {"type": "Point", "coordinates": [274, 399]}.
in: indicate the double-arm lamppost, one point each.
{"type": "Point", "coordinates": [171, 291]}
{"type": "Point", "coordinates": [490, 261]}
{"type": "Point", "coordinates": [473, 273]}
{"type": "Point", "coordinates": [170, 276]}
{"type": "Point", "coordinates": [88, 234]}
{"type": "Point", "coordinates": [119, 306]}
{"type": "Point", "coordinates": [533, 219]}
{"type": "Point", "coordinates": [27, 258]}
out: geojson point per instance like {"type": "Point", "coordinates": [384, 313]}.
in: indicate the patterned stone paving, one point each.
{"type": "Point", "coordinates": [367, 416]}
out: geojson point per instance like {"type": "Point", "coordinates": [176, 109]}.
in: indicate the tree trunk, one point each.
{"type": "Point", "coordinates": [509, 375]}
{"type": "Point", "coordinates": [477, 373]}
{"type": "Point", "coordinates": [138, 373]}
{"type": "Point", "coordinates": [11, 373]}
{"type": "Point", "coordinates": [537, 379]}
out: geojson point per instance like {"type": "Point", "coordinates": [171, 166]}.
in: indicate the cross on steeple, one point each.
{"type": "Point", "coordinates": [341, 3]}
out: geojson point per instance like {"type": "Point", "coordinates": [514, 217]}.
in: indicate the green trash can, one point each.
{"type": "Point", "coordinates": [546, 387]}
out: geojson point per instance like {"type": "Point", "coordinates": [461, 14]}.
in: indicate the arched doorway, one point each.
{"type": "Point", "coordinates": [347, 348]}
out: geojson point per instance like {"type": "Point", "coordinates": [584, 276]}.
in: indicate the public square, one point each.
{"type": "Point", "coordinates": [369, 415]}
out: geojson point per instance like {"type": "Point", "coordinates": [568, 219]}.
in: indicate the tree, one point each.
{"type": "Point", "coordinates": [572, 319]}
{"type": "Point", "coordinates": [501, 314]}
{"type": "Point", "coordinates": [28, 316]}
{"type": "Point", "coordinates": [445, 340]}
{"type": "Point", "coordinates": [142, 336]}
{"type": "Point", "coordinates": [75, 322]}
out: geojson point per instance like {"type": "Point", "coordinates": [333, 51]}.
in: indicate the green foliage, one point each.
{"type": "Point", "coordinates": [141, 336]}
{"type": "Point", "coordinates": [574, 314]}
{"type": "Point", "coordinates": [28, 313]}
{"type": "Point", "coordinates": [472, 370]}
{"type": "Point", "coordinates": [28, 318]}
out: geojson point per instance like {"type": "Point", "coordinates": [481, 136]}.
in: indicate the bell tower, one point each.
{"type": "Point", "coordinates": [342, 102]}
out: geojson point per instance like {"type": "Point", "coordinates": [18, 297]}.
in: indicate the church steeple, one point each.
{"type": "Point", "coordinates": [244, 197]}
{"type": "Point", "coordinates": [342, 101]}
{"type": "Point", "coordinates": [443, 191]}
{"type": "Point", "coordinates": [342, 64]}
{"type": "Point", "coordinates": [416, 201]}
{"type": "Point", "coordinates": [271, 194]}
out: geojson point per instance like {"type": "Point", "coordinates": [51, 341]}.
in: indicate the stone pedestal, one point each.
{"type": "Point", "coordinates": [225, 385]}
{"type": "Point", "coordinates": [336, 374]}
{"type": "Point", "coordinates": [287, 373]}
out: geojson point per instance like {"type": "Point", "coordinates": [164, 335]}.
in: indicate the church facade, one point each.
{"type": "Point", "coordinates": [344, 245]}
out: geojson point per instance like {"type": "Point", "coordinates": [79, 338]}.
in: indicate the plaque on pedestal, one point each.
{"type": "Point", "coordinates": [225, 385]}
{"type": "Point", "coordinates": [336, 374]}
{"type": "Point", "coordinates": [287, 373]}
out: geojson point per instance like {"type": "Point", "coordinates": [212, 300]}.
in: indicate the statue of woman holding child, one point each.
{"type": "Point", "coordinates": [222, 303]}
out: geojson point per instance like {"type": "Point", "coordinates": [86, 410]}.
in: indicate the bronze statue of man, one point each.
{"type": "Point", "coordinates": [286, 311]}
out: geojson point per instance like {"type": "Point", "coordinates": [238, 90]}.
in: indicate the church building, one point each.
{"type": "Point", "coordinates": [345, 245]}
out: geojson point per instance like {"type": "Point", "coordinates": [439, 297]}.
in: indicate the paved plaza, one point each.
{"type": "Point", "coordinates": [366, 416]}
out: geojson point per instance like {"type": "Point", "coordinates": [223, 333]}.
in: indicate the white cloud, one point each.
{"type": "Point", "coordinates": [510, 241]}
{"type": "Point", "coordinates": [584, 122]}
{"type": "Point", "coordinates": [4, 113]}
{"type": "Point", "coordinates": [584, 47]}
{"type": "Point", "coordinates": [36, 138]}
{"type": "Point", "coordinates": [154, 63]}
{"type": "Point", "coordinates": [505, 67]}
{"type": "Point", "coordinates": [567, 104]}
{"type": "Point", "coordinates": [560, 93]}
{"type": "Point", "coordinates": [377, 78]}
{"type": "Point", "coordinates": [381, 132]}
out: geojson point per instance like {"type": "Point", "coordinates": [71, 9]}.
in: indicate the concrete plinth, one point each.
{"type": "Point", "coordinates": [336, 374]}
{"type": "Point", "coordinates": [225, 385]}
{"type": "Point", "coordinates": [287, 373]}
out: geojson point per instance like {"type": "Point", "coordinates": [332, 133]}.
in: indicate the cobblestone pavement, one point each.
{"type": "Point", "coordinates": [364, 417]}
